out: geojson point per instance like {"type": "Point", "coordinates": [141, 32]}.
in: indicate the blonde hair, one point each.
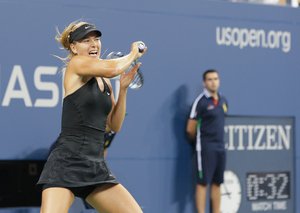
{"type": "Point", "coordinates": [63, 38]}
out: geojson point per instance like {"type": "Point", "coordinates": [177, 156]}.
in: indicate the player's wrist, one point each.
{"type": "Point", "coordinates": [123, 89]}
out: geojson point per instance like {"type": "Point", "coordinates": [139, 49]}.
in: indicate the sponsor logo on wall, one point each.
{"type": "Point", "coordinates": [254, 38]}
{"type": "Point", "coordinates": [17, 90]}
{"type": "Point", "coordinates": [260, 165]}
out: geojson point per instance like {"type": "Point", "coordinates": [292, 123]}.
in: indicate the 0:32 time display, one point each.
{"type": "Point", "coordinates": [268, 186]}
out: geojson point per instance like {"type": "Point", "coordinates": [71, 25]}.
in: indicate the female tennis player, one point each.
{"type": "Point", "coordinates": [76, 166]}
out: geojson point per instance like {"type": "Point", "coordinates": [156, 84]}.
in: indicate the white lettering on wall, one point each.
{"type": "Point", "coordinates": [17, 88]}
{"type": "Point", "coordinates": [254, 38]}
{"type": "Point", "coordinates": [17, 76]}
{"type": "Point", "coordinates": [260, 137]}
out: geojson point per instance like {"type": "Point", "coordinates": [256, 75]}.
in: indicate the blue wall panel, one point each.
{"type": "Point", "coordinates": [150, 155]}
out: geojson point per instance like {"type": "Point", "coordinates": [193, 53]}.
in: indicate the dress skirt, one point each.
{"type": "Point", "coordinates": [77, 159]}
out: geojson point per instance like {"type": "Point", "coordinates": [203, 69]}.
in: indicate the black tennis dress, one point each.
{"type": "Point", "coordinates": [77, 158]}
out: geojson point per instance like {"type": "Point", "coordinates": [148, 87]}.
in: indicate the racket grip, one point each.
{"type": "Point", "coordinates": [141, 47]}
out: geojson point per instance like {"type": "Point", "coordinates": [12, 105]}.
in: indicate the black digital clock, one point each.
{"type": "Point", "coordinates": [268, 186]}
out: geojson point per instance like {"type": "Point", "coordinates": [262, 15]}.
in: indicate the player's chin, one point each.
{"type": "Point", "coordinates": [94, 56]}
{"type": "Point", "coordinates": [214, 88]}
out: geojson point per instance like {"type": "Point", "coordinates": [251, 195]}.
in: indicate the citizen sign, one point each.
{"type": "Point", "coordinates": [258, 137]}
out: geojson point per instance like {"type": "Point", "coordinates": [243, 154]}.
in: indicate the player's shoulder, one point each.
{"type": "Point", "coordinates": [200, 99]}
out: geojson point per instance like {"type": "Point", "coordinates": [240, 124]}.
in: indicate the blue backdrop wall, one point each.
{"type": "Point", "coordinates": [255, 48]}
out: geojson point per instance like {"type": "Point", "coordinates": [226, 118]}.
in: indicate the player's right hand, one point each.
{"type": "Point", "coordinates": [135, 48]}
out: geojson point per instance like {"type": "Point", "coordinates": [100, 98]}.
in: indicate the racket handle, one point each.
{"type": "Point", "coordinates": [141, 47]}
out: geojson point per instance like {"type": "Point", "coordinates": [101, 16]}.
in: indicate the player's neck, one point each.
{"type": "Point", "coordinates": [214, 94]}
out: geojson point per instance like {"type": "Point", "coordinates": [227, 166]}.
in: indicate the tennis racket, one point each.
{"type": "Point", "coordinates": [138, 79]}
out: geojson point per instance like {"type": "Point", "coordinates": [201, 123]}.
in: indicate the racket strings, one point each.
{"type": "Point", "coordinates": [138, 79]}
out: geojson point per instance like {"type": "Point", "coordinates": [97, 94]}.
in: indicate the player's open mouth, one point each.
{"type": "Point", "coordinates": [93, 53]}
